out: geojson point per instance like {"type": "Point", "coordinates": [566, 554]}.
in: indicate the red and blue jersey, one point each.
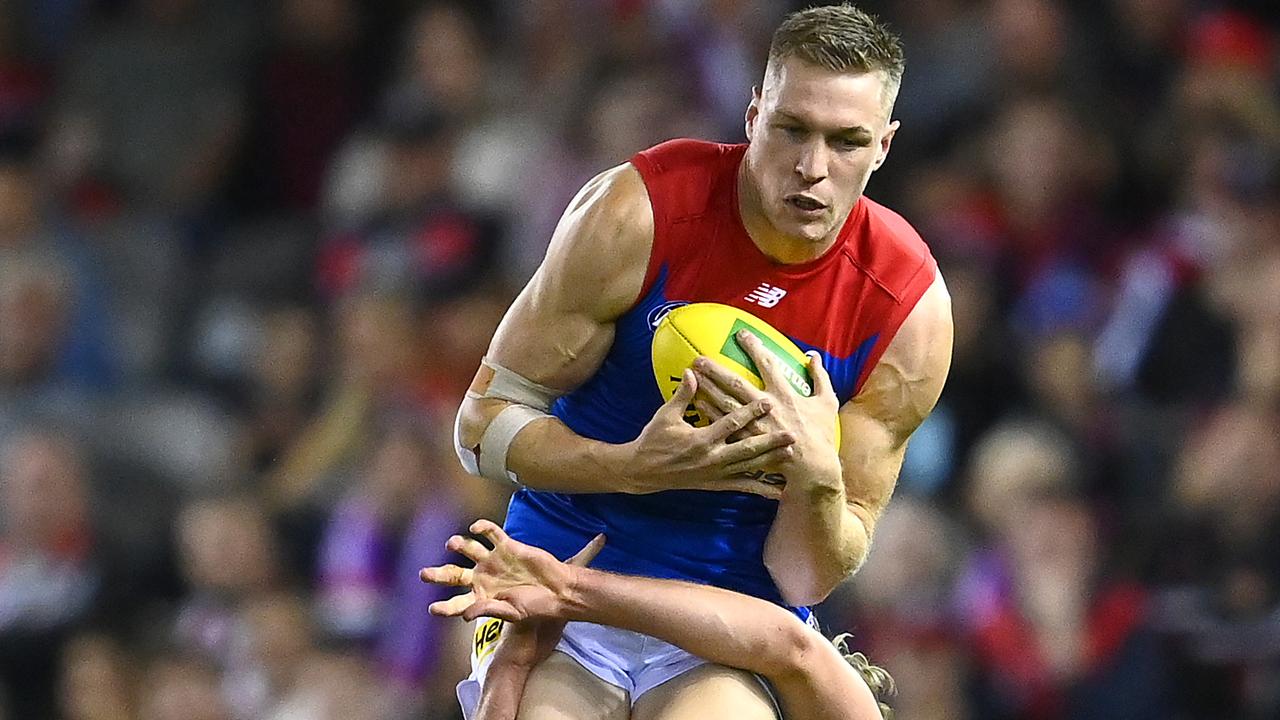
{"type": "Point", "coordinates": [846, 304]}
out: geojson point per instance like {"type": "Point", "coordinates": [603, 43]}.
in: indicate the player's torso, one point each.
{"type": "Point", "coordinates": [702, 254]}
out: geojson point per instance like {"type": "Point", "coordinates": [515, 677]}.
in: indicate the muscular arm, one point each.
{"type": "Point", "coordinates": [824, 524]}
{"type": "Point", "coordinates": [558, 330]}
{"type": "Point", "coordinates": [557, 333]}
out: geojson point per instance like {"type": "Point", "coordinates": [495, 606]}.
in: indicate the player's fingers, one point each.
{"type": "Point", "coordinates": [468, 548]}
{"type": "Point", "coordinates": [453, 607]}
{"type": "Point", "coordinates": [771, 458]}
{"type": "Point", "coordinates": [729, 381]}
{"type": "Point", "coordinates": [706, 409]}
{"type": "Point", "coordinates": [766, 363]}
{"type": "Point", "coordinates": [493, 609]}
{"type": "Point", "coordinates": [716, 404]}
{"type": "Point", "coordinates": [489, 530]}
{"type": "Point", "coordinates": [818, 371]}
{"type": "Point", "coordinates": [452, 575]}
{"type": "Point", "coordinates": [583, 557]}
{"type": "Point", "coordinates": [738, 419]}
{"type": "Point", "coordinates": [717, 397]}
{"type": "Point", "coordinates": [682, 396]}
{"type": "Point", "coordinates": [753, 447]}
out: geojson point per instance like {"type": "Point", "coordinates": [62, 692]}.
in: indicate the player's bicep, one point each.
{"type": "Point", "coordinates": [546, 338]}
{"type": "Point", "coordinates": [897, 396]}
{"type": "Point", "coordinates": [561, 325]}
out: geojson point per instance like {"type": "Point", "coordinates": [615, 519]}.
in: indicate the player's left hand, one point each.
{"type": "Point", "coordinates": [513, 581]}
{"type": "Point", "coordinates": [811, 420]}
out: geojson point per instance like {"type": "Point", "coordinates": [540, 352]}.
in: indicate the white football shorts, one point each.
{"type": "Point", "coordinates": [628, 660]}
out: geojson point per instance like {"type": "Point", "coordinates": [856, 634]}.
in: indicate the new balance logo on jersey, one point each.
{"type": "Point", "coordinates": [766, 295]}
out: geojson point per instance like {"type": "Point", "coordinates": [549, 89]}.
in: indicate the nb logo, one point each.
{"type": "Point", "coordinates": [766, 295]}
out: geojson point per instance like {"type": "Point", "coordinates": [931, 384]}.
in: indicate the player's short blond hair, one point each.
{"type": "Point", "coordinates": [841, 38]}
{"type": "Point", "coordinates": [877, 678]}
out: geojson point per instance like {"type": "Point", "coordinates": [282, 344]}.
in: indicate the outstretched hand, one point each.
{"type": "Point", "coordinates": [513, 581]}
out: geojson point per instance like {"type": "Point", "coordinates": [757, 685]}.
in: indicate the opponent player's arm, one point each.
{"type": "Point", "coordinates": [731, 629]}
{"type": "Point", "coordinates": [520, 583]}
{"type": "Point", "coordinates": [825, 522]}
{"type": "Point", "coordinates": [556, 335]}
{"type": "Point", "coordinates": [521, 647]}
{"type": "Point", "coordinates": [503, 687]}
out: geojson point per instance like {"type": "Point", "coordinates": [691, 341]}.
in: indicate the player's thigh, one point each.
{"type": "Point", "coordinates": [561, 689]}
{"type": "Point", "coordinates": [707, 691]}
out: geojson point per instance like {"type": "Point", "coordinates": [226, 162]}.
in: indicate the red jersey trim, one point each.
{"type": "Point", "coordinates": [919, 283]}
{"type": "Point", "coordinates": [648, 170]}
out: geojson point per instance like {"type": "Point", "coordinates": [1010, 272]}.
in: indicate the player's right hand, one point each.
{"type": "Point", "coordinates": [670, 454]}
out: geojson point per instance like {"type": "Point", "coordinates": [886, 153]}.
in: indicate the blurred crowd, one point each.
{"type": "Point", "coordinates": [251, 253]}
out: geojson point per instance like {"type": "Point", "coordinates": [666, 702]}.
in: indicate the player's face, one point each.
{"type": "Point", "coordinates": [816, 136]}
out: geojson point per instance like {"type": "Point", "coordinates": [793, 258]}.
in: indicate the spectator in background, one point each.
{"type": "Point", "coordinates": [309, 95]}
{"type": "Point", "coordinates": [902, 610]}
{"type": "Point", "coordinates": [399, 510]}
{"type": "Point", "coordinates": [448, 66]}
{"type": "Point", "coordinates": [97, 680]}
{"type": "Point", "coordinates": [1218, 565]}
{"type": "Point", "coordinates": [181, 687]}
{"type": "Point", "coordinates": [272, 639]}
{"type": "Point", "coordinates": [227, 554]}
{"type": "Point", "coordinates": [415, 233]}
{"type": "Point", "coordinates": [1049, 171]}
{"type": "Point", "coordinates": [284, 381]}
{"type": "Point", "coordinates": [337, 685]}
{"type": "Point", "coordinates": [25, 81]}
{"type": "Point", "coordinates": [55, 328]}
{"type": "Point", "coordinates": [34, 310]}
{"type": "Point", "coordinates": [1053, 635]}
{"type": "Point", "coordinates": [49, 576]}
{"type": "Point", "coordinates": [152, 109]}
{"type": "Point", "coordinates": [380, 366]}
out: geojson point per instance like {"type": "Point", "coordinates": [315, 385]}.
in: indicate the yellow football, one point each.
{"type": "Point", "coordinates": [709, 329]}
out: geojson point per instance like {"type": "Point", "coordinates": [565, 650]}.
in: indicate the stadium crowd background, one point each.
{"type": "Point", "coordinates": [250, 254]}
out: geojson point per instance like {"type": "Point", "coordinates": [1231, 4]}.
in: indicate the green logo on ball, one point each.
{"type": "Point", "coordinates": [796, 372]}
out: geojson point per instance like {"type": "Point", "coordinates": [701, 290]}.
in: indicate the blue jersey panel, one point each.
{"type": "Point", "coordinates": [844, 371]}
{"type": "Point", "coordinates": [714, 538]}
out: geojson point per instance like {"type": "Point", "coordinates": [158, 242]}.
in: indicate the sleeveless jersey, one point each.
{"type": "Point", "coordinates": [846, 304]}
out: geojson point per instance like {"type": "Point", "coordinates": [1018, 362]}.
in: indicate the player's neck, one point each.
{"type": "Point", "coordinates": [777, 246]}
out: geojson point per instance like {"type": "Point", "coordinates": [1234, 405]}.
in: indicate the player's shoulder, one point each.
{"type": "Point", "coordinates": [613, 200]}
{"type": "Point", "coordinates": [886, 247]}
{"type": "Point", "coordinates": [598, 253]}
{"type": "Point", "coordinates": [684, 154]}
{"type": "Point", "coordinates": [688, 178]}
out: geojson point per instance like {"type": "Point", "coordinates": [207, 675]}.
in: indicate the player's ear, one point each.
{"type": "Point", "coordinates": [885, 142]}
{"type": "Point", "coordinates": [753, 110]}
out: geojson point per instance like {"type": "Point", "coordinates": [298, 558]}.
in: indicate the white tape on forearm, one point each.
{"type": "Point", "coordinates": [514, 387]}
{"type": "Point", "coordinates": [466, 455]}
{"type": "Point", "coordinates": [497, 438]}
